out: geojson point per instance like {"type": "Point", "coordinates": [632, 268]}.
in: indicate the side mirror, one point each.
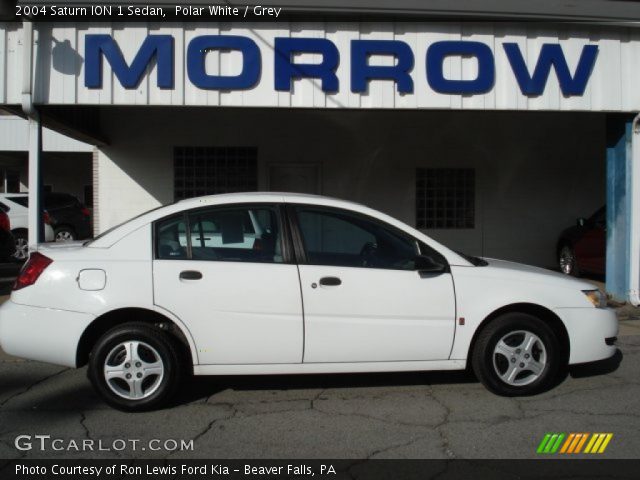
{"type": "Point", "coordinates": [426, 264]}
{"type": "Point", "coordinates": [580, 222]}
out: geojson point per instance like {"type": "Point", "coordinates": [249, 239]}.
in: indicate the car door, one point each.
{"type": "Point", "coordinates": [238, 293]}
{"type": "Point", "coordinates": [363, 299]}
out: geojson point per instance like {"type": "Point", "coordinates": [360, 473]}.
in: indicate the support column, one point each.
{"type": "Point", "coordinates": [634, 257]}
{"type": "Point", "coordinates": [619, 207]}
{"type": "Point", "coordinates": [36, 227]}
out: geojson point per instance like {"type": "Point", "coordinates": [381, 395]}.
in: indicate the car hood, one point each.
{"type": "Point", "coordinates": [529, 273]}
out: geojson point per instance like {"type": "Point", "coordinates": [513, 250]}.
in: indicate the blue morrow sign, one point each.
{"type": "Point", "coordinates": [99, 47]}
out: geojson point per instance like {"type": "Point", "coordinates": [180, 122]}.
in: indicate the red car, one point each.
{"type": "Point", "coordinates": [582, 248]}
{"type": "Point", "coordinates": [7, 243]}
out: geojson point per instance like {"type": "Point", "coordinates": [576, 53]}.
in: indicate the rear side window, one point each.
{"type": "Point", "coordinates": [238, 234]}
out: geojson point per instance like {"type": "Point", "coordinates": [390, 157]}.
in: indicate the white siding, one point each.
{"type": "Point", "coordinates": [60, 66]}
{"type": "Point", "coordinates": [14, 137]}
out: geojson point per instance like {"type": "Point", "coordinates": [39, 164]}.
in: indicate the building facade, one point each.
{"type": "Point", "coordinates": [492, 137]}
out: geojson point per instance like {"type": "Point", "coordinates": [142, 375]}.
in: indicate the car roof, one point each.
{"type": "Point", "coordinates": [242, 197]}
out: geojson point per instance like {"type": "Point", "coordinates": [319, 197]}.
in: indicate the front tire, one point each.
{"type": "Point", "coordinates": [135, 367]}
{"type": "Point", "coordinates": [516, 354]}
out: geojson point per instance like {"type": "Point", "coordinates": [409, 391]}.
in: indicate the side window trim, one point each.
{"type": "Point", "coordinates": [296, 234]}
{"type": "Point", "coordinates": [156, 235]}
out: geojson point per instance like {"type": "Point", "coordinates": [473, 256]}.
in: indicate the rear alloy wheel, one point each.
{"type": "Point", "coordinates": [22, 246]}
{"type": "Point", "coordinates": [567, 261]}
{"type": "Point", "coordinates": [64, 234]}
{"type": "Point", "coordinates": [516, 354]}
{"type": "Point", "coordinates": [135, 367]}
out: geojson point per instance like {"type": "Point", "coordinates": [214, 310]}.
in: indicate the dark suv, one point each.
{"type": "Point", "coordinates": [70, 219]}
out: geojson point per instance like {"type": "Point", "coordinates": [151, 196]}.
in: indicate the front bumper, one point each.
{"type": "Point", "coordinates": [42, 334]}
{"type": "Point", "coordinates": [588, 330]}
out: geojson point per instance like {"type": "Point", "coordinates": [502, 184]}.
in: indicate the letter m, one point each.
{"type": "Point", "coordinates": [129, 76]}
{"type": "Point", "coordinates": [551, 55]}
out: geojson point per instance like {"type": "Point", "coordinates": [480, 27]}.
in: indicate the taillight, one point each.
{"type": "Point", "coordinates": [31, 270]}
{"type": "Point", "coordinates": [85, 211]}
{"type": "Point", "coordinates": [46, 218]}
{"type": "Point", "coordinates": [5, 224]}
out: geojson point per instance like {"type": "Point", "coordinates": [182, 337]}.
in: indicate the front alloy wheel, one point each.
{"type": "Point", "coordinates": [135, 367]}
{"type": "Point", "coordinates": [519, 358]}
{"type": "Point", "coordinates": [516, 354]}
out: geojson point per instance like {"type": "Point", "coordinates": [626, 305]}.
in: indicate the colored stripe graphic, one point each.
{"type": "Point", "coordinates": [598, 442]}
{"type": "Point", "coordinates": [550, 443]}
{"type": "Point", "coordinates": [573, 443]}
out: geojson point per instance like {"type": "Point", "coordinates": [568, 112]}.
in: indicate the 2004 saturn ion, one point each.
{"type": "Point", "coordinates": [267, 283]}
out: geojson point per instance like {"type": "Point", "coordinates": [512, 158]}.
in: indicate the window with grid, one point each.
{"type": "Point", "coordinates": [445, 198]}
{"type": "Point", "coordinates": [211, 170]}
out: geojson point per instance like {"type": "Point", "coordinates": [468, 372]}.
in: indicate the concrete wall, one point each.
{"type": "Point", "coordinates": [535, 172]}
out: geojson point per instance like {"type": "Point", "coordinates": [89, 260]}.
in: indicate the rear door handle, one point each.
{"type": "Point", "coordinates": [330, 281]}
{"type": "Point", "coordinates": [190, 275]}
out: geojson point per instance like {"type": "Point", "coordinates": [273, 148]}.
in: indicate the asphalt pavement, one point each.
{"type": "Point", "coordinates": [402, 415]}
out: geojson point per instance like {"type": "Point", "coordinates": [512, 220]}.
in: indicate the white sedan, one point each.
{"type": "Point", "coordinates": [266, 283]}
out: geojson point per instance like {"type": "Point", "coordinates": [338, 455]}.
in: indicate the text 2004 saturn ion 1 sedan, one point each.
{"type": "Point", "coordinates": [269, 283]}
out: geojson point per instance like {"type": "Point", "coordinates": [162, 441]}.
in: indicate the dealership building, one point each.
{"type": "Point", "coordinates": [491, 126]}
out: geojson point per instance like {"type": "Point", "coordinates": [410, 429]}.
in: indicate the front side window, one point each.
{"type": "Point", "coordinates": [234, 234]}
{"type": "Point", "coordinates": [340, 238]}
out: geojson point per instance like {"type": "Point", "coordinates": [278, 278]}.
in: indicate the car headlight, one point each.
{"type": "Point", "coordinates": [596, 297]}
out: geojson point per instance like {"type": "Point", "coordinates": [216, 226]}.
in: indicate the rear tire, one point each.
{"type": "Point", "coordinates": [516, 354]}
{"type": "Point", "coordinates": [135, 367]}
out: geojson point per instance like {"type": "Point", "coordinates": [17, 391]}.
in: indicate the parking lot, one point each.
{"type": "Point", "coordinates": [406, 415]}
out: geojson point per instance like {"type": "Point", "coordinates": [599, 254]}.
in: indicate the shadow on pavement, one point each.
{"type": "Point", "coordinates": [593, 369]}
{"type": "Point", "coordinates": [198, 388]}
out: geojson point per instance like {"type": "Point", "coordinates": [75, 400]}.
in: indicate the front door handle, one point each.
{"type": "Point", "coordinates": [190, 275]}
{"type": "Point", "coordinates": [330, 281]}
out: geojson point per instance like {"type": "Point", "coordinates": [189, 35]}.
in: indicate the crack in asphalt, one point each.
{"type": "Point", "coordinates": [396, 446]}
{"type": "Point", "coordinates": [446, 444]}
{"type": "Point", "coordinates": [83, 419]}
{"type": "Point", "coordinates": [31, 386]}
{"type": "Point", "coordinates": [206, 430]}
